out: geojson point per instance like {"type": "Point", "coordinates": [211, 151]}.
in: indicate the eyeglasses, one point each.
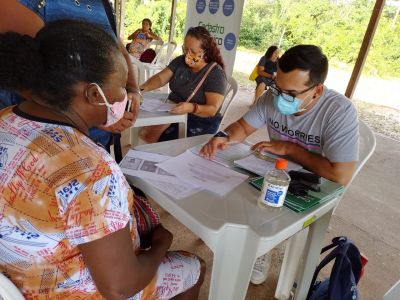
{"type": "Point", "coordinates": [195, 57]}
{"type": "Point", "coordinates": [287, 95]}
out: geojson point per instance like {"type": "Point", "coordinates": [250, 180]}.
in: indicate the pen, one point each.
{"type": "Point", "coordinates": [264, 156]}
{"type": "Point", "coordinates": [129, 105]}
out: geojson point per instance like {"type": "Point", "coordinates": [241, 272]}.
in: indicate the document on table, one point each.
{"type": "Point", "coordinates": [144, 165]}
{"type": "Point", "coordinates": [202, 172]}
{"type": "Point", "coordinates": [228, 156]}
{"type": "Point", "coordinates": [155, 105]}
{"type": "Point", "coordinates": [263, 163]}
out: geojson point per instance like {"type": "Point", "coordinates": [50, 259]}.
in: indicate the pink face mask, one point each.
{"type": "Point", "coordinates": [115, 111]}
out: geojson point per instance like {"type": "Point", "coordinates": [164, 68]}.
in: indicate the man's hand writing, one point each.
{"type": "Point", "coordinates": [210, 149]}
{"type": "Point", "coordinates": [274, 147]}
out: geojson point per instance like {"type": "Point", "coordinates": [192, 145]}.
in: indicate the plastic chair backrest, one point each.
{"type": "Point", "coordinates": [230, 95]}
{"type": "Point", "coordinates": [367, 146]}
{"type": "Point", "coordinates": [231, 92]}
{"type": "Point", "coordinates": [142, 76]}
{"type": "Point", "coordinates": [393, 293]}
{"type": "Point", "coordinates": [8, 291]}
{"type": "Point", "coordinates": [164, 55]}
{"type": "Point", "coordinates": [156, 45]}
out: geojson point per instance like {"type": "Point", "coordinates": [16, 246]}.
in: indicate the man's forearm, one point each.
{"type": "Point", "coordinates": [320, 165]}
{"type": "Point", "coordinates": [236, 132]}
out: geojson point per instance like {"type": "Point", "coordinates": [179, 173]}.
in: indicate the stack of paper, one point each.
{"type": "Point", "coordinates": [329, 191]}
{"type": "Point", "coordinates": [155, 105]}
{"type": "Point", "coordinates": [201, 172]}
{"type": "Point", "coordinates": [262, 163]}
{"type": "Point", "coordinates": [229, 155]}
{"type": "Point", "coordinates": [144, 165]}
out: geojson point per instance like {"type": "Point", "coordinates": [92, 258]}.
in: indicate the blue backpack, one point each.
{"type": "Point", "coordinates": [345, 274]}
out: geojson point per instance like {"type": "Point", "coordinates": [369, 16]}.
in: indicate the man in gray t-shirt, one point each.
{"type": "Point", "coordinates": [329, 128]}
{"type": "Point", "coordinates": [312, 125]}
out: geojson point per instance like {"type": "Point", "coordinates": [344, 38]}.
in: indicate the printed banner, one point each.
{"type": "Point", "coordinates": [222, 19]}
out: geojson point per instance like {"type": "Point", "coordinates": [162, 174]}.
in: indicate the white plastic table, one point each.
{"type": "Point", "coordinates": [237, 230]}
{"type": "Point", "coordinates": [157, 118]}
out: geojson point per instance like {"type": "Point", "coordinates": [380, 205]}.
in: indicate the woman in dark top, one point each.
{"type": "Point", "coordinates": [183, 75]}
{"type": "Point", "coordinates": [267, 67]}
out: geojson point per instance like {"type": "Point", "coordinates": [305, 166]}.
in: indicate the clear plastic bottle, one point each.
{"type": "Point", "coordinates": [276, 183]}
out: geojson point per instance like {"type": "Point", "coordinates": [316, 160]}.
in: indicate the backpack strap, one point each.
{"type": "Point", "coordinates": [327, 259]}
{"type": "Point", "coordinates": [201, 82]}
{"type": "Point", "coordinates": [335, 241]}
{"type": "Point", "coordinates": [346, 253]}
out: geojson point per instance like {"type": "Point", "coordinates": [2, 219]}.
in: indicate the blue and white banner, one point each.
{"type": "Point", "coordinates": [222, 19]}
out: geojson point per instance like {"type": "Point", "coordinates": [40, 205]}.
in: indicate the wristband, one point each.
{"type": "Point", "coordinates": [136, 91]}
{"type": "Point", "coordinates": [222, 134]}
{"type": "Point", "coordinates": [195, 108]}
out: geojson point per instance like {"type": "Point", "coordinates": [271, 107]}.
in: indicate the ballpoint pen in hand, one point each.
{"type": "Point", "coordinates": [264, 156]}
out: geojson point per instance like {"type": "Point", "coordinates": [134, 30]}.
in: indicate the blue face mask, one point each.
{"type": "Point", "coordinates": [285, 107]}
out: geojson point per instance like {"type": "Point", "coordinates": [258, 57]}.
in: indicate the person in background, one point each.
{"type": "Point", "coordinates": [68, 229]}
{"type": "Point", "coordinates": [141, 38]}
{"type": "Point", "coordinates": [200, 55]}
{"type": "Point", "coordinates": [29, 16]}
{"type": "Point", "coordinates": [266, 69]}
{"type": "Point", "coordinates": [312, 125]}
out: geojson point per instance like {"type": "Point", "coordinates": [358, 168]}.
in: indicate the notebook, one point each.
{"type": "Point", "coordinates": [329, 191]}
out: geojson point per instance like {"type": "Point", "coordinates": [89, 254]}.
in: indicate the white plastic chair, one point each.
{"type": "Point", "coordinates": [141, 71]}
{"type": "Point", "coordinates": [8, 291]}
{"type": "Point", "coordinates": [230, 95]}
{"type": "Point", "coordinates": [161, 60]}
{"type": "Point", "coordinates": [295, 245]}
{"type": "Point", "coordinates": [155, 45]}
{"type": "Point", "coordinates": [393, 293]}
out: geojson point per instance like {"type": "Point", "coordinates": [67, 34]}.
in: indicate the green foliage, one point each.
{"type": "Point", "coordinates": [337, 26]}
{"type": "Point", "coordinates": [159, 12]}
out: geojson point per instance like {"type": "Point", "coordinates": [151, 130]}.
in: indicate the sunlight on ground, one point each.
{"type": "Point", "coordinates": [377, 100]}
{"type": "Point", "coordinates": [378, 91]}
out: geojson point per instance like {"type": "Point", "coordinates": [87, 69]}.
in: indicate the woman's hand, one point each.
{"type": "Point", "coordinates": [182, 108]}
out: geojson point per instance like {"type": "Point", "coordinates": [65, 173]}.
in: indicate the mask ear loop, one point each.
{"type": "Point", "coordinates": [308, 105]}
{"type": "Point", "coordinates": [101, 94]}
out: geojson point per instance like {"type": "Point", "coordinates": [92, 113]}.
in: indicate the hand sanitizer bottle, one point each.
{"type": "Point", "coordinates": [276, 183]}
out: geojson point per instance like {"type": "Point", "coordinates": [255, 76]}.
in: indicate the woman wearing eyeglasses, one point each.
{"type": "Point", "coordinates": [201, 59]}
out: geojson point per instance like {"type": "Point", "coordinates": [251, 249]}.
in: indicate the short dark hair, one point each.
{"type": "Point", "coordinates": [307, 58]}
{"type": "Point", "coordinates": [270, 51]}
{"type": "Point", "coordinates": [62, 54]}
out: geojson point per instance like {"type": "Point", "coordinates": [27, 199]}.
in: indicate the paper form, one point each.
{"type": "Point", "coordinates": [228, 156]}
{"type": "Point", "coordinates": [156, 106]}
{"type": "Point", "coordinates": [144, 165]}
{"type": "Point", "coordinates": [261, 166]}
{"type": "Point", "coordinates": [178, 190]}
{"type": "Point", "coordinates": [202, 172]}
